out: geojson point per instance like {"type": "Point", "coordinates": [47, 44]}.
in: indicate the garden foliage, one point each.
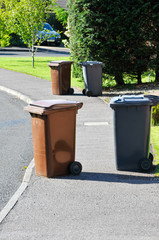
{"type": "Point", "coordinates": [155, 115]}
{"type": "Point", "coordinates": [123, 34]}
{"type": "Point", "coordinates": [4, 24]}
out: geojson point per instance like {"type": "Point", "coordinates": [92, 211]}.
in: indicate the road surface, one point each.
{"type": "Point", "coordinates": [16, 145]}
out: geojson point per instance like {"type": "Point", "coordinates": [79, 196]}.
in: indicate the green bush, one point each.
{"type": "Point", "coordinates": [16, 41]}
{"type": "Point", "coordinates": [56, 25]}
{"type": "Point", "coordinates": [118, 33]}
{"type": "Point", "coordinates": [155, 115]}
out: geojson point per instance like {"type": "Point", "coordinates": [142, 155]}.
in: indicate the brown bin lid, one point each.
{"type": "Point", "coordinates": [45, 106]}
{"type": "Point", "coordinates": [58, 63]}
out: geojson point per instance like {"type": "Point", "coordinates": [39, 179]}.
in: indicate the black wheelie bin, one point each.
{"type": "Point", "coordinates": [92, 74]}
{"type": "Point", "coordinates": [132, 122]}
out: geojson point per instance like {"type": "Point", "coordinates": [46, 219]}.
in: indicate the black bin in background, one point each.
{"type": "Point", "coordinates": [92, 74]}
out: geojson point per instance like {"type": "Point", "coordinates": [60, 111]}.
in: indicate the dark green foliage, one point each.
{"type": "Point", "coordinates": [155, 115]}
{"type": "Point", "coordinates": [114, 32]}
{"type": "Point", "coordinates": [56, 25]}
{"type": "Point", "coordinates": [60, 19]}
{"type": "Point", "coordinates": [16, 41]}
{"type": "Point", "coordinates": [154, 35]}
{"type": "Point", "coordinates": [54, 22]}
{"type": "Point", "coordinates": [61, 14]}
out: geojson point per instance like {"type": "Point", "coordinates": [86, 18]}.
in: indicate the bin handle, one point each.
{"type": "Point", "coordinates": [63, 106]}
{"type": "Point", "coordinates": [153, 98]}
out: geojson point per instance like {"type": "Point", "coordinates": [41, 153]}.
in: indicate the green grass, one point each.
{"type": "Point", "coordinates": [41, 70]}
{"type": "Point", "coordinates": [155, 144]}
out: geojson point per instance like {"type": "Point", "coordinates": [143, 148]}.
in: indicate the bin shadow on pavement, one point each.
{"type": "Point", "coordinates": [75, 94]}
{"type": "Point", "coordinates": [115, 94]}
{"type": "Point", "coordinates": [112, 177]}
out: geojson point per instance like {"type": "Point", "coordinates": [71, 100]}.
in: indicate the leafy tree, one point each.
{"type": "Point", "coordinates": [154, 35]}
{"type": "Point", "coordinates": [27, 18]}
{"type": "Point", "coordinates": [4, 26]}
{"type": "Point", "coordinates": [61, 14]}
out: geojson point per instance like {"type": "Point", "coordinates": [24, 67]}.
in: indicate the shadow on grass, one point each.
{"type": "Point", "coordinates": [133, 87]}
{"type": "Point", "coordinates": [113, 178]}
{"type": "Point", "coordinates": [157, 171]}
{"type": "Point", "coordinates": [7, 54]}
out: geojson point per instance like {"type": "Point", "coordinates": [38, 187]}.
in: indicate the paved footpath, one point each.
{"type": "Point", "coordinates": [101, 203]}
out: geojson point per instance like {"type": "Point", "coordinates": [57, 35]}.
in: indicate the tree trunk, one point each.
{"type": "Point", "coordinates": [157, 66]}
{"type": "Point", "coordinates": [33, 51]}
{"type": "Point", "coordinates": [157, 75]}
{"type": "Point", "coordinates": [139, 78]}
{"type": "Point", "coordinates": [119, 79]}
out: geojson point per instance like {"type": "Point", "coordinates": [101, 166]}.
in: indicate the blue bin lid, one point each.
{"type": "Point", "coordinates": [126, 100]}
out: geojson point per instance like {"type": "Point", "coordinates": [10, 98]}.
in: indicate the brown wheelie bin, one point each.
{"type": "Point", "coordinates": [53, 132]}
{"type": "Point", "coordinates": [60, 77]}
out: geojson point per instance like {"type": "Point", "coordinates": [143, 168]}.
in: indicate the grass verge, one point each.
{"type": "Point", "coordinates": [155, 142]}
{"type": "Point", "coordinates": [41, 70]}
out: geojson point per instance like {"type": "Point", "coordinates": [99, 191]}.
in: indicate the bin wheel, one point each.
{"type": "Point", "coordinates": [70, 91]}
{"type": "Point", "coordinates": [88, 93]}
{"type": "Point", "coordinates": [84, 91]}
{"type": "Point", "coordinates": [151, 157]}
{"type": "Point", "coordinates": [146, 164]}
{"type": "Point", "coordinates": [75, 168]}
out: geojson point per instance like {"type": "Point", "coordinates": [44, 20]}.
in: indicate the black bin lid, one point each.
{"type": "Point", "coordinates": [130, 100]}
{"type": "Point", "coordinates": [91, 63]}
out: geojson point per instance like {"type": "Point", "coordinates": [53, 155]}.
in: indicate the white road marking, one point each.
{"type": "Point", "coordinates": [11, 203]}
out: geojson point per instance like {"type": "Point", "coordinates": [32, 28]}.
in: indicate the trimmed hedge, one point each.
{"type": "Point", "coordinates": [118, 33]}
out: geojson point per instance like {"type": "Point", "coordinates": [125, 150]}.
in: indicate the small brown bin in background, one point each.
{"type": "Point", "coordinates": [60, 77]}
{"type": "Point", "coordinates": [53, 131]}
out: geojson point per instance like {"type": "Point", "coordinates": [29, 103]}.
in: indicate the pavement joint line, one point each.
{"type": "Point", "coordinates": [14, 199]}
{"type": "Point", "coordinates": [96, 123]}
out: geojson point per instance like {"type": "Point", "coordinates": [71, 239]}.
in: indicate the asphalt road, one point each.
{"type": "Point", "coordinates": [16, 145]}
{"type": "Point", "coordinates": [40, 52]}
